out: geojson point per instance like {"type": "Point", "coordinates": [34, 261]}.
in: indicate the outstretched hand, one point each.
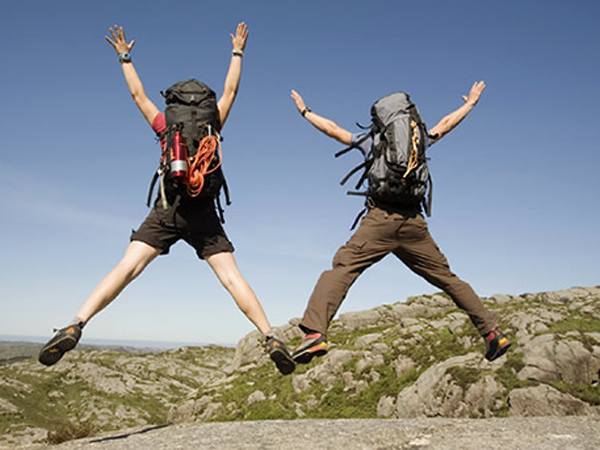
{"type": "Point", "coordinates": [475, 93]}
{"type": "Point", "coordinates": [241, 35]}
{"type": "Point", "coordinates": [299, 101]}
{"type": "Point", "coordinates": [118, 42]}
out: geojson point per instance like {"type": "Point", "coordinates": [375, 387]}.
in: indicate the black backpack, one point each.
{"type": "Point", "coordinates": [396, 169]}
{"type": "Point", "coordinates": [192, 111]}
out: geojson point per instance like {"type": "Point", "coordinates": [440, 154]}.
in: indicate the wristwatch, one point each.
{"type": "Point", "coordinates": [124, 57]}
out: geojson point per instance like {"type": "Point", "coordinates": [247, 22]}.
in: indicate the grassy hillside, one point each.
{"type": "Point", "coordinates": [419, 358]}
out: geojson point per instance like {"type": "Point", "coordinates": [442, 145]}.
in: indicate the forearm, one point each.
{"type": "Point", "coordinates": [453, 119]}
{"type": "Point", "coordinates": [136, 88]}
{"type": "Point", "coordinates": [449, 122]}
{"type": "Point", "coordinates": [230, 90]}
{"type": "Point", "coordinates": [321, 123]}
{"type": "Point", "coordinates": [234, 75]}
{"type": "Point", "coordinates": [328, 127]}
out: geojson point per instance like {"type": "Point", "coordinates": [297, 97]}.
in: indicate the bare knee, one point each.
{"type": "Point", "coordinates": [231, 280]}
{"type": "Point", "coordinates": [137, 257]}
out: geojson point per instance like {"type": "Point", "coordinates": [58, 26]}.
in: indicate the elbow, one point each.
{"type": "Point", "coordinates": [332, 129]}
{"type": "Point", "coordinates": [136, 96]}
{"type": "Point", "coordinates": [231, 92]}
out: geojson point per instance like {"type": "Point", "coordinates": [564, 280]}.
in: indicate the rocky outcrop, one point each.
{"type": "Point", "coordinates": [413, 359]}
{"type": "Point", "coordinates": [544, 400]}
{"type": "Point", "coordinates": [103, 390]}
{"type": "Point", "coordinates": [573, 357]}
{"type": "Point", "coordinates": [423, 358]}
{"type": "Point", "coordinates": [457, 387]}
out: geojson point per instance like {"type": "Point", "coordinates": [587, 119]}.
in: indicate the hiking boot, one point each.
{"type": "Point", "coordinates": [280, 355]}
{"type": "Point", "coordinates": [496, 344]}
{"type": "Point", "coordinates": [64, 340]}
{"type": "Point", "coordinates": [313, 344]}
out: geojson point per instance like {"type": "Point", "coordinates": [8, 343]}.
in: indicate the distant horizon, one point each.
{"type": "Point", "coordinates": [162, 345]}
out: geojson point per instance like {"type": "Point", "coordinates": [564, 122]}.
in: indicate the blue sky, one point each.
{"type": "Point", "coordinates": [515, 186]}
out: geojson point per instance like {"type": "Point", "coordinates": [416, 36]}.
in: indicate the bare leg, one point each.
{"type": "Point", "coordinates": [224, 266]}
{"type": "Point", "coordinates": [137, 257]}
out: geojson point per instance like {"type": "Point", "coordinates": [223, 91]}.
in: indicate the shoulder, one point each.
{"type": "Point", "coordinates": [159, 123]}
{"type": "Point", "coordinates": [362, 141]}
{"type": "Point", "coordinates": [431, 139]}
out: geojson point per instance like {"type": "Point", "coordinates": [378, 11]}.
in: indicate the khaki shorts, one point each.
{"type": "Point", "coordinates": [194, 221]}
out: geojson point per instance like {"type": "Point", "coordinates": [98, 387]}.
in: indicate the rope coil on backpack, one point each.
{"type": "Point", "coordinates": [199, 166]}
{"type": "Point", "coordinates": [413, 160]}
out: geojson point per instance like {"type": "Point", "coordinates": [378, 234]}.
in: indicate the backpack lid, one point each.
{"type": "Point", "coordinates": [386, 108]}
{"type": "Point", "coordinates": [188, 92]}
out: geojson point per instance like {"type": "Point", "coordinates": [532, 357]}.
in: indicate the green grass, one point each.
{"type": "Point", "coordinates": [583, 324]}
{"type": "Point", "coordinates": [585, 392]}
{"type": "Point", "coordinates": [437, 345]}
{"type": "Point", "coordinates": [464, 376]}
{"type": "Point", "coordinates": [70, 431]}
{"type": "Point", "coordinates": [64, 413]}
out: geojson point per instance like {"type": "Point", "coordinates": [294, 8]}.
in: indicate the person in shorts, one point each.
{"type": "Point", "coordinates": [193, 220]}
{"type": "Point", "coordinates": [396, 228]}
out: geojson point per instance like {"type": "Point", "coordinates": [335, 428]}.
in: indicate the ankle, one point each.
{"type": "Point", "coordinates": [268, 334]}
{"type": "Point", "coordinates": [79, 322]}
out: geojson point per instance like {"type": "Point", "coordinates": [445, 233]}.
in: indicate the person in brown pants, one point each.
{"type": "Point", "coordinates": [397, 228]}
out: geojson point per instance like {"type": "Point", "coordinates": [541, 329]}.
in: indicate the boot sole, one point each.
{"type": "Point", "coordinates": [499, 353]}
{"type": "Point", "coordinates": [51, 354]}
{"type": "Point", "coordinates": [284, 363]}
{"type": "Point", "coordinates": [306, 356]}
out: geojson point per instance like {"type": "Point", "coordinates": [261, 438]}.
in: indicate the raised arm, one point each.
{"type": "Point", "coordinates": [136, 88]}
{"type": "Point", "coordinates": [454, 118]}
{"type": "Point", "coordinates": [322, 124]}
{"type": "Point", "coordinates": [234, 74]}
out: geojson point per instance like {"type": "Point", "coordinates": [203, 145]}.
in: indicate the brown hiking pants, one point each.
{"type": "Point", "coordinates": [405, 234]}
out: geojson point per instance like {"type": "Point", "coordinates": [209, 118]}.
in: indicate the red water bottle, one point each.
{"type": "Point", "coordinates": [179, 158]}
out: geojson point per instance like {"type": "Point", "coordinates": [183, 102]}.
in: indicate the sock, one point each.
{"type": "Point", "coordinates": [79, 321]}
{"type": "Point", "coordinates": [269, 334]}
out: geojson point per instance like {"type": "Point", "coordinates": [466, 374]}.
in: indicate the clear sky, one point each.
{"type": "Point", "coordinates": [515, 204]}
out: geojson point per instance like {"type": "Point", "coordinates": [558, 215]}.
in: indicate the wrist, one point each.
{"type": "Point", "coordinates": [236, 52]}
{"type": "Point", "coordinates": [124, 57]}
{"type": "Point", "coordinates": [305, 110]}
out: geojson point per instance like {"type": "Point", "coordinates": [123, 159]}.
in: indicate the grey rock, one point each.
{"type": "Point", "coordinates": [385, 406]}
{"type": "Point", "coordinates": [370, 360]}
{"type": "Point", "coordinates": [255, 397]}
{"type": "Point", "coordinates": [380, 348]}
{"type": "Point", "coordinates": [500, 299]}
{"type": "Point", "coordinates": [544, 400]}
{"type": "Point", "coordinates": [436, 393]}
{"type": "Point", "coordinates": [540, 433]}
{"type": "Point", "coordinates": [356, 320]}
{"type": "Point", "coordinates": [548, 359]}
{"type": "Point", "coordinates": [402, 365]}
{"type": "Point", "coordinates": [367, 339]}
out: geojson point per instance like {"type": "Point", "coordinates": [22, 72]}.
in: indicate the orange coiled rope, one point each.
{"type": "Point", "coordinates": [199, 165]}
{"type": "Point", "coordinates": [413, 160]}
